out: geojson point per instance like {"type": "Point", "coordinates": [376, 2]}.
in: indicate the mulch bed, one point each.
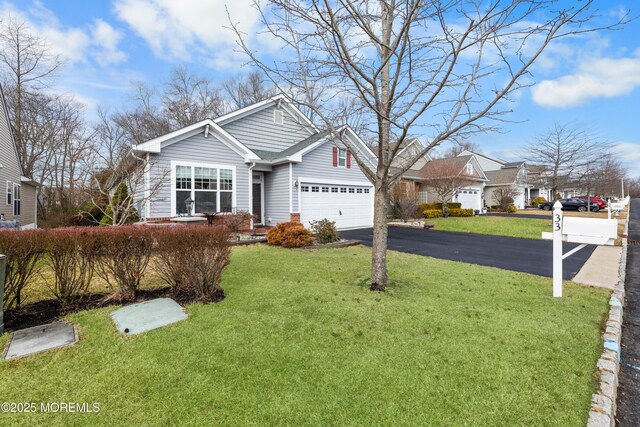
{"type": "Point", "coordinates": [47, 311]}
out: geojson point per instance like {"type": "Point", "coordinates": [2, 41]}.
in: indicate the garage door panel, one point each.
{"type": "Point", "coordinates": [348, 206]}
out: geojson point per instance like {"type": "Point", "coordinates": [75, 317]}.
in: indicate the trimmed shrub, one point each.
{"type": "Point", "coordinates": [71, 254]}
{"type": "Point", "coordinates": [430, 206]}
{"type": "Point", "coordinates": [325, 231]}
{"type": "Point", "coordinates": [432, 213]}
{"type": "Point", "coordinates": [124, 253]}
{"type": "Point", "coordinates": [457, 212]}
{"type": "Point", "coordinates": [289, 235]}
{"type": "Point", "coordinates": [536, 201]}
{"type": "Point", "coordinates": [23, 250]}
{"type": "Point", "coordinates": [191, 259]}
{"type": "Point", "coordinates": [512, 209]}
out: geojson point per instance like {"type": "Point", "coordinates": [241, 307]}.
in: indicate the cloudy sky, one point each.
{"type": "Point", "coordinates": [591, 81]}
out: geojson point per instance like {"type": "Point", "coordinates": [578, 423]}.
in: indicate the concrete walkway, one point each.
{"type": "Point", "coordinates": [601, 269]}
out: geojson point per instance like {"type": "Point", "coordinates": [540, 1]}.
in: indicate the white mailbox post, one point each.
{"type": "Point", "coordinates": [586, 231]}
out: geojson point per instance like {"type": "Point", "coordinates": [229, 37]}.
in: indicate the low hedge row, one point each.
{"type": "Point", "coordinates": [430, 206]}
{"type": "Point", "coordinates": [457, 212]}
{"type": "Point", "coordinates": [190, 259]}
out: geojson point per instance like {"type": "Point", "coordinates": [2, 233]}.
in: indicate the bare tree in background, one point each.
{"type": "Point", "coordinates": [188, 98]}
{"type": "Point", "coordinates": [249, 89]}
{"type": "Point", "coordinates": [28, 68]}
{"type": "Point", "coordinates": [633, 187]}
{"type": "Point", "coordinates": [458, 147]}
{"type": "Point", "coordinates": [433, 68]}
{"type": "Point", "coordinates": [444, 177]}
{"type": "Point", "coordinates": [565, 151]}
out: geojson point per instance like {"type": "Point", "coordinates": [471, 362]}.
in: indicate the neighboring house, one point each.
{"type": "Point", "coordinates": [465, 169]}
{"type": "Point", "coordinates": [267, 158]}
{"type": "Point", "coordinates": [19, 198]}
{"type": "Point", "coordinates": [411, 179]}
{"type": "Point", "coordinates": [528, 181]}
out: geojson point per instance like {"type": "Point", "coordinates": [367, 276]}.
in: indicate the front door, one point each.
{"type": "Point", "coordinates": [257, 198]}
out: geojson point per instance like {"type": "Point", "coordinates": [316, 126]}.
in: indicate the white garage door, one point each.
{"type": "Point", "coordinates": [470, 198]}
{"type": "Point", "coordinates": [350, 206]}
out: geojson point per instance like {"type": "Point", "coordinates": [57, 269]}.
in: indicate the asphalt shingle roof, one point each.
{"type": "Point", "coordinates": [273, 155]}
{"type": "Point", "coordinates": [502, 176]}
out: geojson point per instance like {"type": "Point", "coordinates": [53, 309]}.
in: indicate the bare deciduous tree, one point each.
{"type": "Point", "coordinates": [246, 90]}
{"type": "Point", "coordinates": [431, 67]}
{"type": "Point", "coordinates": [28, 68]}
{"type": "Point", "coordinates": [565, 151]}
{"type": "Point", "coordinates": [504, 196]}
{"type": "Point", "coordinates": [444, 177]}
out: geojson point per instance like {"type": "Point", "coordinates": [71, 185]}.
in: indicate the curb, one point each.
{"type": "Point", "coordinates": [603, 403]}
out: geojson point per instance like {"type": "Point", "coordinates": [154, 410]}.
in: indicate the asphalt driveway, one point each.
{"type": "Point", "coordinates": [509, 253]}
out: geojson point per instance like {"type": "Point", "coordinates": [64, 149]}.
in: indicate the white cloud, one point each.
{"type": "Point", "coordinates": [595, 78]}
{"type": "Point", "coordinates": [191, 29]}
{"type": "Point", "coordinates": [629, 154]}
{"type": "Point", "coordinates": [107, 39]}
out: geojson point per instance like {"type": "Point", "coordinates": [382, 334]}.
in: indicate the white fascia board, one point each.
{"type": "Point", "coordinates": [297, 112]}
{"type": "Point", "coordinates": [373, 159]}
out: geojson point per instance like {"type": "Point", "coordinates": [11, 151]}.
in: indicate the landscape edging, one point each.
{"type": "Point", "coordinates": [603, 403]}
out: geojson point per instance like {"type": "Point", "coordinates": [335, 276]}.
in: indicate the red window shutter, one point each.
{"type": "Point", "coordinates": [348, 159]}
{"type": "Point", "coordinates": [335, 157]}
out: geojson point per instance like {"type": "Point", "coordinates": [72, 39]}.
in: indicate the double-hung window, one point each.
{"type": "Point", "coordinates": [16, 199]}
{"type": "Point", "coordinates": [342, 157]}
{"type": "Point", "coordinates": [9, 193]}
{"type": "Point", "coordinates": [211, 189]}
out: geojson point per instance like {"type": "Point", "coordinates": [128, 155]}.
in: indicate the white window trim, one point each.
{"type": "Point", "coordinates": [9, 192]}
{"type": "Point", "coordinates": [341, 150]}
{"type": "Point", "coordinates": [18, 199]}
{"type": "Point", "coordinates": [193, 165]}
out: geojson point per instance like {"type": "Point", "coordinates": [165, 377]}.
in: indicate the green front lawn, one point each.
{"type": "Point", "coordinates": [300, 340]}
{"type": "Point", "coordinates": [530, 228]}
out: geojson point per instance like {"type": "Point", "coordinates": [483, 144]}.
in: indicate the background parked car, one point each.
{"type": "Point", "coordinates": [573, 203]}
{"type": "Point", "coordinates": [601, 203]}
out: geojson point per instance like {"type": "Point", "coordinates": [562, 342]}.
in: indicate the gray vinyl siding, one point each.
{"type": "Point", "coordinates": [257, 130]}
{"type": "Point", "coordinates": [318, 163]}
{"type": "Point", "coordinates": [11, 171]}
{"type": "Point", "coordinates": [196, 149]}
{"type": "Point", "coordinates": [276, 195]}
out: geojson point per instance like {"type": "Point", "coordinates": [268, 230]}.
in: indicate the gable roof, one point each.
{"type": "Point", "coordinates": [503, 176]}
{"type": "Point", "coordinates": [279, 100]}
{"type": "Point", "coordinates": [207, 126]}
{"type": "Point", "coordinates": [468, 153]}
{"type": "Point", "coordinates": [437, 166]}
{"type": "Point", "coordinates": [294, 149]}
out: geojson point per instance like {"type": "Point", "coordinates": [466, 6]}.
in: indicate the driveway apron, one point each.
{"type": "Point", "coordinates": [509, 253]}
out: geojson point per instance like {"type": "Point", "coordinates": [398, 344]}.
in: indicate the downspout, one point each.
{"type": "Point", "coordinates": [290, 189]}
{"type": "Point", "coordinates": [251, 192]}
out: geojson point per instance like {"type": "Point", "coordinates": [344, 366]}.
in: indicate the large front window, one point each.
{"type": "Point", "coordinates": [211, 188]}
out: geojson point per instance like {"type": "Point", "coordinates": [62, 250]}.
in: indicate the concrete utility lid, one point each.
{"type": "Point", "coordinates": [145, 316]}
{"type": "Point", "coordinates": [40, 338]}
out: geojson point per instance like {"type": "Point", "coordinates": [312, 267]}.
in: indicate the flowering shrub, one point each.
{"type": "Point", "coordinates": [289, 235]}
{"type": "Point", "coordinates": [192, 259]}
{"type": "Point", "coordinates": [23, 250]}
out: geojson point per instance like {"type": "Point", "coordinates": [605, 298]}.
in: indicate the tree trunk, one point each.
{"type": "Point", "coordinates": [379, 279]}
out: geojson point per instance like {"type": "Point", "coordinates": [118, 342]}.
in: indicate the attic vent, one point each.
{"type": "Point", "coordinates": [278, 117]}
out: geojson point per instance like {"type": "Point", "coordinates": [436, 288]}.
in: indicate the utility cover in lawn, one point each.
{"type": "Point", "coordinates": [148, 315]}
{"type": "Point", "coordinates": [28, 341]}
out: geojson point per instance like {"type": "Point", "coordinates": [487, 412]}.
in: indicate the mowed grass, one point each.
{"type": "Point", "coordinates": [530, 228]}
{"type": "Point", "coordinates": [300, 340]}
